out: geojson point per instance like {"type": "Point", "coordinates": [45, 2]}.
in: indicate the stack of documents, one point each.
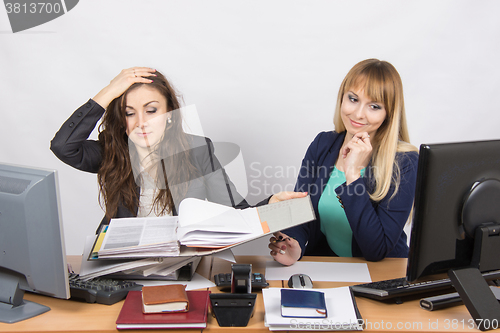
{"type": "Point", "coordinates": [159, 268]}
{"type": "Point", "coordinates": [342, 314]}
{"type": "Point", "coordinates": [138, 237]}
{"type": "Point", "coordinates": [201, 228]}
{"type": "Point", "coordinates": [205, 224]}
{"type": "Point", "coordinates": [209, 225]}
{"type": "Point", "coordinates": [157, 247]}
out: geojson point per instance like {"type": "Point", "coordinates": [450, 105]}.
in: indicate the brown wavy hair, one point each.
{"type": "Point", "coordinates": [117, 184]}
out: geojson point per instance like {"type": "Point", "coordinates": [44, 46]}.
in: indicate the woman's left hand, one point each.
{"type": "Point", "coordinates": [286, 195]}
{"type": "Point", "coordinates": [356, 155]}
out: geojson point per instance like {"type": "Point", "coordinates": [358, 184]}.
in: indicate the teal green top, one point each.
{"type": "Point", "coordinates": [334, 223]}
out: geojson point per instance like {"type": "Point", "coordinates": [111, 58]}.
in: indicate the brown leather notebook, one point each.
{"type": "Point", "coordinates": [166, 298]}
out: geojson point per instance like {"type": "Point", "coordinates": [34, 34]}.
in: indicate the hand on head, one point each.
{"type": "Point", "coordinates": [284, 249]}
{"type": "Point", "coordinates": [286, 195]}
{"type": "Point", "coordinates": [122, 82]}
{"type": "Point", "coordinates": [356, 154]}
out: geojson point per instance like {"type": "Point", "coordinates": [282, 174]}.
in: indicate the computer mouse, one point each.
{"type": "Point", "coordinates": [300, 281]}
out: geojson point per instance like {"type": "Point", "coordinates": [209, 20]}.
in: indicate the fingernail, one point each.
{"type": "Point", "coordinates": [282, 252]}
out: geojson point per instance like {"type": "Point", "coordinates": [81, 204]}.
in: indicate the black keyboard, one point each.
{"type": "Point", "coordinates": [400, 287]}
{"type": "Point", "coordinates": [389, 289]}
{"type": "Point", "coordinates": [100, 290]}
{"type": "Point", "coordinates": [223, 281]}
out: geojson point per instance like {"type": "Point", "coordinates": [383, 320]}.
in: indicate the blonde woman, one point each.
{"type": "Point", "coordinates": [361, 177]}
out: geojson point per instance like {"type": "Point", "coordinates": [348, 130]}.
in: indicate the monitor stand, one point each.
{"type": "Point", "coordinates": [477, 297]}
{"type": "Point", "coordinates": [13, 307]}
{"type": "Point", "coordinates": [470, 284]}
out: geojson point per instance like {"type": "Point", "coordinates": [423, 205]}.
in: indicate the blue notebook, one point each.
{"type": "Point", "coordinates": [303, 303]}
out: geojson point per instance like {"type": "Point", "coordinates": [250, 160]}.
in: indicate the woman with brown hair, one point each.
{"type": "Point", "coordinates": [361, 176]}
{"type": "Point", "coordinates": [145, 162]}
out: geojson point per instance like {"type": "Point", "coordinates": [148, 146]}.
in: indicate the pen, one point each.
{"type": "Point", "coordinates": [281, 239]}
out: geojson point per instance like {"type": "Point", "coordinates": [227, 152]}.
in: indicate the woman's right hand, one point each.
{"type": "Point", "coordinates": [121, 83]}
{"type": "Point", "coordinates": [284, 249]}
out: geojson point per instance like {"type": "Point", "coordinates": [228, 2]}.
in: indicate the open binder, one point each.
{"type": "Point", "coordinates": [204, 228]}
{"type": "Point", "coordinates": [203, 218]}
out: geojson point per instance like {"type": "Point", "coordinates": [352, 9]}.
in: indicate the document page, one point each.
{"type": "Point", "coordinates": [195, 211]}
{"type": "Point", "coordinates": [127, 232]}
{"type": "Point", "coordinates": [152, 235]}
{"type": "Point", "coordinates": [284, 214]}
{"type": "Point", "coordinates": [206, 224]}
{"type": "Point", "coordinates": [320, 271]}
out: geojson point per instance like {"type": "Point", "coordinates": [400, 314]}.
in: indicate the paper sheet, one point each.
{"type": "Point", "coordinates": [226, 255]}
{"type": "Point", "coordinates": [320, 271]}
{"type": "Point", "coordinates": [91, 269]}
{"type": "Point", "coordinates": [195, 211]}
{"type": "Point", "coordinates": [340, 310]}
{"type": "Point", "coordinates": [197, 282]}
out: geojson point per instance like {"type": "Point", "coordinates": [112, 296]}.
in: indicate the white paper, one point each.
{"type": "Point", "coordinates": [169, 267]}
{"type": "Point", "coordinates": [202, 223]}
{"type": "Point", "coordinates": [146, 237]}
{"type": "Point", "coordinates": [225, 255]}
{"type": "Point", "coordinates": [194, 211]}
{"type": "Point", "coordinates": [94, 268]}
{"type": "Point", "coordinates": [339, 306]}
{"type": "Point", "coordinates": [320, 271]}
{"type": "Point", "coordinates": [197, 282]}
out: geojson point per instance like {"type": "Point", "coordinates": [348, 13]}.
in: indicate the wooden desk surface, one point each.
{"type": "Point", "coordinates": [76, 316]}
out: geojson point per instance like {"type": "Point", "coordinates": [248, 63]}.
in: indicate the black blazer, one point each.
{"type": "Point", "coordinates": [72, 146]}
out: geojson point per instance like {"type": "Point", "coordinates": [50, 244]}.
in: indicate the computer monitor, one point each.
{"type": "Point", "coordinates": [32, 252]}
{"type": "Point", "coordinates": [456, 220]}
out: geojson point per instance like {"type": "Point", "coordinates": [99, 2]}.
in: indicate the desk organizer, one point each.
{"type": "Point", "coordinates": [232, 309]}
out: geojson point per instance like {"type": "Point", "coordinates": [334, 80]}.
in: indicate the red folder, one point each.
{"type": "Point", "coordinates": [131, 316]}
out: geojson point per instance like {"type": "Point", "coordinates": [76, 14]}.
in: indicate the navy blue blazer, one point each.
{"type": "Point", "coordinates": [377, 226]}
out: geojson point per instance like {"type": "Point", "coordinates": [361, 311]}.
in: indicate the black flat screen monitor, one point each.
{"type": "Point", "coordinates": [32, 252]}
{"type": "Point", "coordinates": [456, 226]}
{"type": "Point", "coordinates": [440, 240]}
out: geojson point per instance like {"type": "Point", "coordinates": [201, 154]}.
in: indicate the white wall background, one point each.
{"type": "Point", "coordinates": [262, 74]}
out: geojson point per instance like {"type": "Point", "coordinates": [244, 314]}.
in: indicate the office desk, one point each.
{"type": "Point", "coordinates": [379, 317]}
{"type": "Point", "coordinates": [76, 316]}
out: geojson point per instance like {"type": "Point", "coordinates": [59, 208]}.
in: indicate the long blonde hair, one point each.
{"type": "Point", "coordinates": [381, 82]}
